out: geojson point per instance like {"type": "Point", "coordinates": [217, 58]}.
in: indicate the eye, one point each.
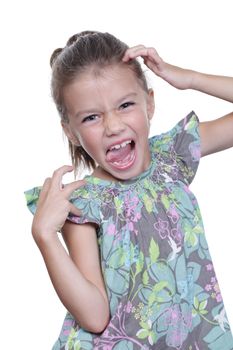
{"type": "Point", "coordinates": [126, 105]}
{"type": "Point", "coordinates": [90, 118]}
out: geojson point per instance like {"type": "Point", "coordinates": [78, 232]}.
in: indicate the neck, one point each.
{"type": "Point", "coordinates": [103, 175]}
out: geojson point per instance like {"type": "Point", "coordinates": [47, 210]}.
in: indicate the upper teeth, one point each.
{"type": "Point", "coordinates": [121, 145]}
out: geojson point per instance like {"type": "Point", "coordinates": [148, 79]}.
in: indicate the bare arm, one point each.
{"type": "Point", "coordinates": [81, 241]}
{"type": "Point", "coordinates": [216, 135]}
{"type": "Point", "coordinates": [80, 289]}
{"type": "Point", "coordinates": [214, 85]}
{"type": "Point", "coordinates": [78, 281]}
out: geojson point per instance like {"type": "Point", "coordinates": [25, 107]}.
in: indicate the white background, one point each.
{"type": "Point", "coordinates": [192, 34]}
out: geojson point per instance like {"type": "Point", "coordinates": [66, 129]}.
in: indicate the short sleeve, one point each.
{"type": "Point", "coordinates": [180, 147]}
{"type": "Point", "coordinates": [187, 147]}
{"type": "Point", "coordinates": [82, 198]}
{"type": "Point", "coordinates": [32, 197]}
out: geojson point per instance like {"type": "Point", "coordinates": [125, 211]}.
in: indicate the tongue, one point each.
{"type": "Point", "coordinates": [117, 155]}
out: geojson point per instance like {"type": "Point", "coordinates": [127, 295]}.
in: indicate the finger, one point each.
{"type": "Point", "coordinates": [75, 211]}
{"type": "Point", "coordinates": [45, 188]}
{"type": "Point", "coordinates": [148, 52]}
{"type": "Point", "coordinates": [136, 48]}
{"type": "Point", "coordinates": [58, 174]}
{"type": "Point", "coordinates": [71, 187]}
{"type": "Point", "coordinates": [151, 65]}
{"type": "Point", "coordinates": [46, 184]}
{"type": "Point", "coordinates": [131, 52]}
{"type": "Point", "coordinates": [144, 52]}
{"type": "Point", "coordinates": [154, 54]}
{"type": "Point", "coordinates": [140, 49]}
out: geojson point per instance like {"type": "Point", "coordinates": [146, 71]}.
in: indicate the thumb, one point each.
{"type": "Point", "coordinates": [75, 211]}
{"type": "Point", "coordinates": [71, 187]}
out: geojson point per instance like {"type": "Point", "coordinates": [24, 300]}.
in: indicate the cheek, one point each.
{"type": "Point", "coordinates": [143, 121]}
{"type": "Point", "coordinates": [88, 139]}
{"type": "Point", "coordinates": [79, 131]}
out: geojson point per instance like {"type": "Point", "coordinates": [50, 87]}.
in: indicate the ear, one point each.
{"type": "Point", "coordinates": [71, 137]}
{"type": "Point", "coordinates": [150, 104]}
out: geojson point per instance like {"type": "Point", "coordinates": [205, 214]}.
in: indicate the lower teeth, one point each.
{"type": "Point", "coordinates": [125, 161]}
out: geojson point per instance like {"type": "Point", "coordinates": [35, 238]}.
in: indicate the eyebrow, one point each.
{"type": "Point", "coordinates": [93, 110]}
{"type": "Point", "coordinates": [131, 94]}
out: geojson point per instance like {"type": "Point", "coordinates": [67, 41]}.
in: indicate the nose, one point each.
{"type": "Point", "coordinates": [113, 124]}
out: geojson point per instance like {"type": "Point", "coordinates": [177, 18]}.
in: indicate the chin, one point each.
{"type": "Point", "coordinates": [125, 175]}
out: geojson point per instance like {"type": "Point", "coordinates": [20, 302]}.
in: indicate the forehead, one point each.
{"type": "Point", "coordinates": [110, 72]}
{"type": "Point", "coordinates": [115, 78]}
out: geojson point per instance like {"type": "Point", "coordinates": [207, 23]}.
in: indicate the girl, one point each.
{"type": "Point", "coordinates": [138, 274]}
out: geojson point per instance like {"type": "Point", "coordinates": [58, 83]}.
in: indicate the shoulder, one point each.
{"type": "Point", "coordinates": [186, 126]}
{"type": "Point", "coordinates": [86, 198]}
{"type": "Point", "coordinates": [179, 147]}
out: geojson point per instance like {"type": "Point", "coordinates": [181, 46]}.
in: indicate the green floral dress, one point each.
{"type": "Point", "coordinates": [161, 284]}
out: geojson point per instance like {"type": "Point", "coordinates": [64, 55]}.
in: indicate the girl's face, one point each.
{"type": "Point", "coordinates": [109, 116]}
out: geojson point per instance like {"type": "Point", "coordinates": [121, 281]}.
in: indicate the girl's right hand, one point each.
{"type": "Point", "coordinates": [176, 76]}
{"type": "Point", "coordinates": [53, 205]}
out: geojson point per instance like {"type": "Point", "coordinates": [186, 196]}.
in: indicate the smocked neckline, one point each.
{"type": "Point", "coordinates": [124, 183]}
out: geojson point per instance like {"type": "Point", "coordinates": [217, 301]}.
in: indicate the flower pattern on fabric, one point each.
{"type": "Point", "coordinates": [161, 284]}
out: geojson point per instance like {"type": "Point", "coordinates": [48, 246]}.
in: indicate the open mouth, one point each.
{"type": "Point", "coordinates": [121, 155]}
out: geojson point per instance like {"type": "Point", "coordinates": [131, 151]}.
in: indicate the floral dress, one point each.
{"type": "Point", "coordinates": [160, 280]}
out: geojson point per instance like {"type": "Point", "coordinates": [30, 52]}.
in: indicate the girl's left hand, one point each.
{"type": "Point", "coordinates": [176, 76]}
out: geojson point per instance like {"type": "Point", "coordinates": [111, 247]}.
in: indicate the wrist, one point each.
{"type": "Point", "coordinates": [195, 78]}
{"type": "Point", "coordinates": [44, 238]}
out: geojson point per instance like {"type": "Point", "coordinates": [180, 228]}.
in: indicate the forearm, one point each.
{"type": "Point", "coordinates": [81, 298]}
{"type": "Point", "coordinates": [214, 85]}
